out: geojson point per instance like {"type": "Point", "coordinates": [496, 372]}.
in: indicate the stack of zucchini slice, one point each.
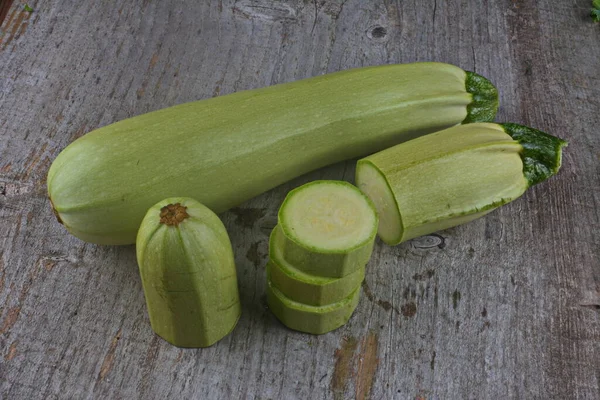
{"type": "Point", "coordinates": [317, 255]}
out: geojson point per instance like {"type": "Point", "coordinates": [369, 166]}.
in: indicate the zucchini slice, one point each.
{"type": "Point", "coordinates": [310, 319]}
{"type": "Point", "coordinates": [305, 288]}
{"type": "Point", "coordinates": [329, 228]}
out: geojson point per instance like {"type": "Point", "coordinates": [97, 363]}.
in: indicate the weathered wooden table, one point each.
{"type": "Point", "coordinates": [505, 307]}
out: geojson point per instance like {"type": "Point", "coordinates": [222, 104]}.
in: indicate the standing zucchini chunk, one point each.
{"type": "Point", "coordinates": [329, 228]}
{"type": "Point", "coordinates": [237, 146]}
{"type": "Point", "coordinates": [454, 176]}
{"type": "Point", "coordinates": [188, 273]}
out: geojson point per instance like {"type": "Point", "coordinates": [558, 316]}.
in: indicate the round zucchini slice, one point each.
{"type": "Point", "coordinates": [329, 228]}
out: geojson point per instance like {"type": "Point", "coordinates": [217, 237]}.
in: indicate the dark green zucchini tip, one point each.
{"type": "Point", "coordinates": [542, 153]}
{"type": "Point", "coordinates": [484, 106]}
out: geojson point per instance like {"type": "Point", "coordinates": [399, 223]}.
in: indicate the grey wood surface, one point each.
{"type": "Point", "coordinates": [504, 307]}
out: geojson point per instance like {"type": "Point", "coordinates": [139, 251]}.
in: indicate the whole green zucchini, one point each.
{"type": "Point", "coordinates": [225, 150]}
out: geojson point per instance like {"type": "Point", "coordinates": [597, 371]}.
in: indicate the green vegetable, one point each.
{"type": "Point", "coordinates": [317, 255]}
{"type": "Point", "coordinates": [310, 319]}
{"type": "Point", "coordinates": [225, 150]}
{"type": "Point", "coordinates": [27, 8]}
{"type": "Point", "coordinates": [188, 273]}
{"type": "Point", "coordinates": [454, 176]}
{"type": "Point", "coordinates": [595, 12]}
{"type": "Point", "coordinates": [306, 288]}
{"type": "Point", "coordinates": [329, 228]}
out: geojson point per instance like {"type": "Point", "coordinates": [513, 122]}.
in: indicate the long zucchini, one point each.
{"type": "Point", "coordinates": [225, 150]}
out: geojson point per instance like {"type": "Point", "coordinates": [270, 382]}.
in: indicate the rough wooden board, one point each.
{"type": "Point", "coordinates": [506, 306]}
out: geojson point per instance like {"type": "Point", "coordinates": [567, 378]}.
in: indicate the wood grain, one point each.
{"type": "Point", "coordinates": [503, 307]}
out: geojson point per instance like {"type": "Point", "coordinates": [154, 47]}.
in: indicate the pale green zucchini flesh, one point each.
{"type": "Point", "coordinates": [311, 319]}
{"type": "Point", "coordinates": [188, 273]}
{"type": "Point", "coordinates": [329, 228]}
{"type": "Point", "coordinates": [328, 216]}
{"type": "Point", "coordinates": [454, 176]}
{"type": "Point", "coordinates": [305, 288]}
{"type": "Point", "coordinates": [225, 150]}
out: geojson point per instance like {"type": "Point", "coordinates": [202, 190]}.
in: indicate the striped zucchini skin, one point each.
{"type": "Point", "coordinates": [226, 150]}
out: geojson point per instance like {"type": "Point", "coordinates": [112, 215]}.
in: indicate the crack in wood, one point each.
{"type": "Point", "coordinates": [4, 7]}
{"type": "Point", "coordinates": [2, 271]}
{"type": "Point", "coordinates": [265, 10]}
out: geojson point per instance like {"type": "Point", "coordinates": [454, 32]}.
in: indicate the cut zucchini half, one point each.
{"type": "Point", "coordinates": [305, 288]}
{"type": "Point", "coordinates": [329, 228]}
{"type": "Point", "coordinates": [454, 176]}
{"type": "Point", "coordinates": [310, 319]}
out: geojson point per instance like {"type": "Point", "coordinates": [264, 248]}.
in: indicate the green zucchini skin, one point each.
{"type": "Point", "coordinates": [311, 319]}
{"type": "Point", "coordinates": [188, 274]}
{"type": "Point", "coordinates": [226, 150]}
{"type": "Point", "coordinates": [305, 288]}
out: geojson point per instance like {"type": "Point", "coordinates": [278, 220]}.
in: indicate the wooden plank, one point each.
{"type": "Point", "coordinates": [506, 306]}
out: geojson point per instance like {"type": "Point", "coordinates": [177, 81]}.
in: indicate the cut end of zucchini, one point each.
{"type": "Point", "coordinates": [541, 155]}
{"type": "Point", "coordinates": [484, 106]}
{"type": "Point", "coordinates": [374, 184]}
{"type": "Point", "coordinates": [328, 216]}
